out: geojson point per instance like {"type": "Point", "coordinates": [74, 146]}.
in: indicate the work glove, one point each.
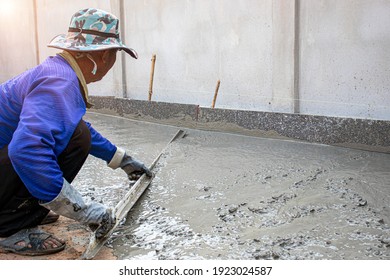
{"type": "Point", "coordinates": [134, 168]}
{"type": "Point", "coordinates": [69, 203]}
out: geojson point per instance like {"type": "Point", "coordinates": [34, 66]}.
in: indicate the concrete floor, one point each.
{"type": "Point", "coordinates": [226, 196]}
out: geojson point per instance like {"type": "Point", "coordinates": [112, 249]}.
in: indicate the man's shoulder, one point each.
{"type": "Point", "coordinates": [56, 66]}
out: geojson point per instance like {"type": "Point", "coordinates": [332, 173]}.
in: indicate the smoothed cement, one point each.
{"type": "Point", "coordinates": [225, 196]}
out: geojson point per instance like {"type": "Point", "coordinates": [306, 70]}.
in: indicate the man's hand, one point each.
{"type": "Point", "coordinates": [107, 223]}
{"type": "Point", "coordinates": [134, 168]}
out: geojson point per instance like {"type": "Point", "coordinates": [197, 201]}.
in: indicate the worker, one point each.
{"type": "Point", "coordinates": [44, 140]}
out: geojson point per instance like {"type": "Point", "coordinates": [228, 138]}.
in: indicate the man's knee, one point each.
{"type": "Point", "coordinates": [75, 154]}
{"type": "Point", "coordinates": [81, 138]}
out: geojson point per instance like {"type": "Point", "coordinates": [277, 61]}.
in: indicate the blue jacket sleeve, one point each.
{"type": "Point", "coordinates": [52, 108]}
{"type": "Point", "coordinates": [100, 146]}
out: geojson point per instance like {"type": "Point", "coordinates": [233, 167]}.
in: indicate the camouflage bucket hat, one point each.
{"type": "Point", "coordinates": [91, 30]}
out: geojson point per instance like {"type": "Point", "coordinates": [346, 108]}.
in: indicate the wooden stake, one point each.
{"type": "Point", "coordinates": [215, 94]}
{"type": "Point", "coordinates": [151, 77]}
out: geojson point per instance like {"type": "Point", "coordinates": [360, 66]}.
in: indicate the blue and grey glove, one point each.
{"type": "Point", "coordinates": [70, 203]}
{"type": "Point", "coordinates": [133, 168]}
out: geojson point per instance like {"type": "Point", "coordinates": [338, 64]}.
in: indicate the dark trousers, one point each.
{"type": "Point", "coordinates": [18, 208]}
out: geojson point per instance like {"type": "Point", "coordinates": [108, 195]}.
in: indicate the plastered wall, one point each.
{"type": "Point", "coordinates": [293, 56]}
{"type": "Point", "coordinates": [345, 58]}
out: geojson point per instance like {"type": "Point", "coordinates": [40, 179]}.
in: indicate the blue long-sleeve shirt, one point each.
{"type": "Point", "coordinates": [39, 111]}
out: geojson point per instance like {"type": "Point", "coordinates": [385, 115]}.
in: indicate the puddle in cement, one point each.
{"type": "Point", "coordinates": [224, 196]}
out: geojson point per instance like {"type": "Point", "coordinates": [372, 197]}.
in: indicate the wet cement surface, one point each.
{"type": "Point", "coordinates": [225, 196]}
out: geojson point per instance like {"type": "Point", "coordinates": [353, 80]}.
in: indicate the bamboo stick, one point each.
{"type": "Point", "coordinates": [215, 94]}
{"type": "Point", "coordinates": [152, 77]}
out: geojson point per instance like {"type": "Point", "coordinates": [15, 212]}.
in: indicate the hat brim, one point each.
{"type": "Point", "coordinates": [61, 42]}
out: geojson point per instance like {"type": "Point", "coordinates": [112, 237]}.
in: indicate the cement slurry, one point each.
{"type": "Point", "coordinates": [226, 196]}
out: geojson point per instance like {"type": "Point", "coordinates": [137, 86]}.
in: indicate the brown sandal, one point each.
{"type": "Point", "coordinates": [33, 241]}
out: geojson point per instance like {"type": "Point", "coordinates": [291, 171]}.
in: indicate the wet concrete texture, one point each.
{"type": "Point", "coordinates": [365, 134]}
{"type": "Point", "coordinates": [225, 196]}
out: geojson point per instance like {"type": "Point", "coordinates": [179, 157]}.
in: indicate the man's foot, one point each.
{"type": "Point", "coordinates": [32, 242]}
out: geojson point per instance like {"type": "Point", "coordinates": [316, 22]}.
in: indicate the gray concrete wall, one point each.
{"type": "Point", "coordinates": [344, 55]}
{"type": "Point", "coordinates": [17, 48]}
{"type": "Point", "coordinates": [199, 42]}
{"type": "Point", "coordinates": [290, 56]}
